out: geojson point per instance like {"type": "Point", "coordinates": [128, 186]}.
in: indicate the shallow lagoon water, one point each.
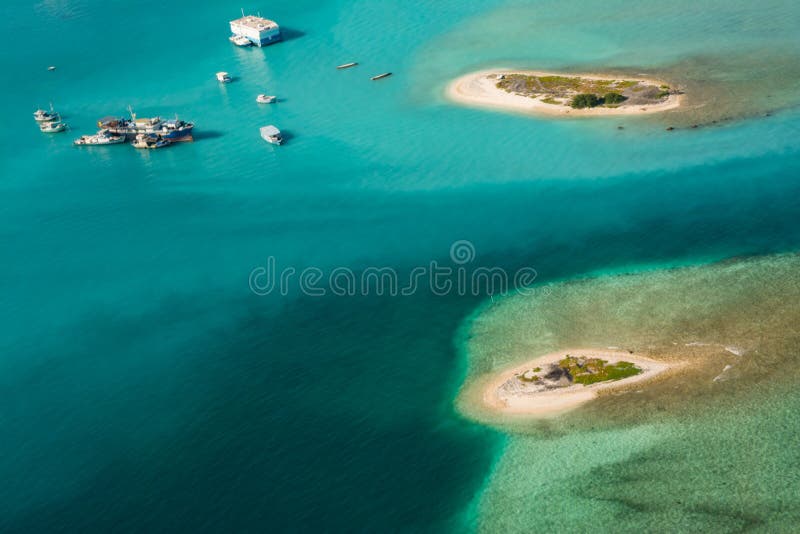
{"type": "Point", "coordinates": [708, 448]}
{"type": "Point", "coordinates": [146, 387]}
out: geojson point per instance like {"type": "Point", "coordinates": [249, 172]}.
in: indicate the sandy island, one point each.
{"type": "Point", "coordinates": [499, 397]}
{"type": "Point", "coordinates": [479, 89]}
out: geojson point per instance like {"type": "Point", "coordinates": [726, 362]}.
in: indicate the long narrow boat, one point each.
{"type": "Point", "coordinates": [103, 137]}
{"type": "Point", "coordinates": [347, 65]}
{"type": "Point", "coordinates": [381, 76]}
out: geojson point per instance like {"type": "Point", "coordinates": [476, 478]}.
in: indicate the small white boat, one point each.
{"type": "Point", "coordinates": [51, 68]}
{"type": "Point", "coordinates": [271, 134]}
{"type": "Point", "coordinates": [381, 76]}
{"type": "Point", "coordinates": [52, 127]}
{"type": "Point", "coordinates": [103, 137]}
{"type": "Point", "coordinates": [41, 115]}
{"type": "Point", "coordinates": [224, 77]}
{"type": "Point", "coordinates": [149, 141]}
{"type": "Point", "coordinates": [266, 99]}
{"type": "Point", "coordinates": [240, 40]}
{"type": "Point", "coordinates": [347, 65]}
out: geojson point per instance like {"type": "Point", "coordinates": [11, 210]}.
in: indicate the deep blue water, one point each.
{"type": "Point", "coordinates": [145, 387]}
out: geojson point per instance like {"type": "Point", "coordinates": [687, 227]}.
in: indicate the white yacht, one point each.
{"type": "Point", "coordinates": [257, 30]}
{"type": "Point", "coordinates": [224, 77]}
{"type": "Point", "coordinates": [271, 134]}
{"type": "Point", "coordinates": [266, 99]}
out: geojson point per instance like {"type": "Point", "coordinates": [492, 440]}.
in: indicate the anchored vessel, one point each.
{"type": "Point", "coordinates": [272, 135]}
{"type": "Point", "coordinates": [149, 141]}
{"type": "Point", "coordinates": [174, 130]}
{"type": "Point", "coordinates": [41, 115]}
{"type": "Point", "coordinates": [52, 127]}
{"type": "Point", "coordinates": [103, 137]}
{"type": "Point", "coordinates": [347, 65]}
{"type": "Point", "coordinates": [259, 31]}
{"type": "Point", "coordinates": [240, 40]}
{"type": "Point", "coordinates": [266, 99]}
{"type": "Point", "coordinates": [380, 76]}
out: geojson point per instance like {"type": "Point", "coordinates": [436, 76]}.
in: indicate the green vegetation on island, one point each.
{"type": "Point", "coordinates": [614, 98]}
{"type": "Point", "coordinates": [584, 93]}
{"type": "Point", "coordinates": [592, 370]}
{"type": "Point", "coordinates": [585, 100]}
{"type": "Point", "coordinates": [591, 100]}
{"type": "Point", "coordinates": [578, 370]}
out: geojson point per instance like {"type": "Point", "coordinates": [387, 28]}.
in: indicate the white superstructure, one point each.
{"type": "Point", "coordinates": [271, 134]}
{"type": "Point", "coordinates": [260, 31]}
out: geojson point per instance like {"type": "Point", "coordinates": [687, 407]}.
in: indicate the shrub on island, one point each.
{"type": "Point", "coordinates": [585, 100]}
{"type": "Point", "coordinates": [588, 371]}
{"type": "Point", "coordinates": [614, 98]}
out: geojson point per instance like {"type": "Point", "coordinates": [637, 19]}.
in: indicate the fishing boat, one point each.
{"type": "Point", "coordinates": [129, 127]}
{"type": "Point", "coordinates": [224, 77]}
{"type": "Point", "coordinates": [41, 115]}
{"type": "Point", "coordinates": [149, 141]}
{"type": "Point", "coordinates": [381, 76]}
{"type": "Point", "coordinates": [103, 137]}
{"type": "Point", "coordinates": [266, 99]}
{"type": "Point", "coordinates": [271, 134]}
{"type": "Point", "coordinates": [172, 130]}
{"type": "Point", "coordinates": [347, 65]}
{"type": "Point", "coordinates": [52, 127]}
{"type": "Point", "coordinates": [240, 40]}
{"type": "Point", "coordinates": [176, 130]}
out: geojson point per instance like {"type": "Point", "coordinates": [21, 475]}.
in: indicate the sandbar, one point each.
{"type": "Point", "coordinates": [555, 402]}
{"type": "Point", "coordinates": [479, 89]}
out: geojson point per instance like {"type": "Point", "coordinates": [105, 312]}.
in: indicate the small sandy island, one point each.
{"type": "Point", "coordinates": [567, 95]}
{"type": "Point", "coordinates": [562, 381]}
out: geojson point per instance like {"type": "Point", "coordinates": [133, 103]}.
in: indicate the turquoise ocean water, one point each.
{"type": "Point", "coordinates": [145, 387]}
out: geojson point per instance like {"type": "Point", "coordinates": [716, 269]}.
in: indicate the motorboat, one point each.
{"type": "Point", "coordinates": [52, 127]}
{"type": "Point", "coordinates": [240, 40]}
{"type": "Point", "coordinates": [271, 134]}
{"type": "Point", "coordinates": [149, 141]}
